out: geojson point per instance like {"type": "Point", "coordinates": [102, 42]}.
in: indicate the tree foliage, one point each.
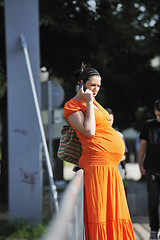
{"type": "Point", "coordinates": [117, 37]}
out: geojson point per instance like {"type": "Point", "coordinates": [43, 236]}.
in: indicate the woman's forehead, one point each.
{"type": "Point", "coordinates": [94, 79]}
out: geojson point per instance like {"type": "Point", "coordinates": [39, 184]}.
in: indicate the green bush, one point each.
{"type": "Point", "coordinates": [20, 231]}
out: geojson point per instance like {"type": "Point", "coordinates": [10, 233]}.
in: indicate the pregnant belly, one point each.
{"type": "Point", "coordinates": [110, 142]}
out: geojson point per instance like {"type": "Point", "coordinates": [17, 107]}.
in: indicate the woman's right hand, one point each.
{"type": "Point", "coordinates": [87, 95]}
{"type": "Point", "coordinates": [84, 123]}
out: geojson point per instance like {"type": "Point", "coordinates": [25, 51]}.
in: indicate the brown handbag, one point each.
{"type": "Point", "coordinates": [69, 147]}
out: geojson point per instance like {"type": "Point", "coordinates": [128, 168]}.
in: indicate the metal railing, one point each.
{"type": "Point", "coordinates": [53, 188]}
{"type": "Point", "coordinates": [69, 224]}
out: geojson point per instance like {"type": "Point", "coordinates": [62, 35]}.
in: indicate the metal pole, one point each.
{"type": "Point", "coordinates": [50, 129]}
{"type": "Point", "coordinates": [50, 120]}
{"type": "Point", "coordinates": [52, 184]}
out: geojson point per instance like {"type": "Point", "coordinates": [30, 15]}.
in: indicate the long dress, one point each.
{"type": "Point", "coordinates": [106, 212]}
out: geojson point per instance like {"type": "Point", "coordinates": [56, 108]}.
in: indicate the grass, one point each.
{"type": "Point", "coordinates": [20, 231]}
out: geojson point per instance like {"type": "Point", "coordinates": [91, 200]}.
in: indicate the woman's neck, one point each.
{"type": "Point", "coordinates": [78, 97]}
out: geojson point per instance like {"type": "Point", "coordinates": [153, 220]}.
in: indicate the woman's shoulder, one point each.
{"type": "Point", "coordinates": [74, 103]}
{"type": "Point", "coordinates": [72, 106]}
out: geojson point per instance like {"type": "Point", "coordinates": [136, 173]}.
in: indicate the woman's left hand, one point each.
{"type": "Point", "coordinates": [76, 168]}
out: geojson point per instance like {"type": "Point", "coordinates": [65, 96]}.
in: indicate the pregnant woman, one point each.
{"type": "Point", "coordinates": [105, 207]}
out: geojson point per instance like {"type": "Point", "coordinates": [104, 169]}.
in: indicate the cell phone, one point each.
{"type": "Point", "coordinates": [82, 84]}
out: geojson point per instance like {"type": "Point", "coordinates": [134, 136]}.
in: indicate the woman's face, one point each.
{"type": "Point", "coordinates": [94, 84]}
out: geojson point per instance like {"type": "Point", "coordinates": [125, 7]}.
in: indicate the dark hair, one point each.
{"type": "Point", "coordinates": [109, 111]}
{"type": "Point", "coordinates": [157, 105]}
{"type": "Point", "coordinates": [85, 73]}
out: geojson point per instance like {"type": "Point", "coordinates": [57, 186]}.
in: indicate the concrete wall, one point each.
{"type": "Point", "coordinates": [25, 183]}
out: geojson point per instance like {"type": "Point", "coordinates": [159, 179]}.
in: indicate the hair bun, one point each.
{"type": "Point", "coordinates": [83, 66]}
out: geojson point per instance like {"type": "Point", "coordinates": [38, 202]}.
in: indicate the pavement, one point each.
{"type": "Point", "coordinates": [137, 202]}
{"type": "Point", "coordinates": [141, 227]}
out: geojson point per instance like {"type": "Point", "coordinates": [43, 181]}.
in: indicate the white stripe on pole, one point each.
{"type": "Point", "coordinates": [52, 184]}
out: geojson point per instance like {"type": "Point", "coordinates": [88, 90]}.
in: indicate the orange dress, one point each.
{"type": "Point", "coordinates": [106, 212]}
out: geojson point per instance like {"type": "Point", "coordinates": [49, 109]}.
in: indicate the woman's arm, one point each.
{"type": "Point", "coordinates": [85, 124]}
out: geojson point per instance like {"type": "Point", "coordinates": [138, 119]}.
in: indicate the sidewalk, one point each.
{"type": "Point", "coordinates": [137, 202]}
{"type": "Point", "coordinates": [141, 228]}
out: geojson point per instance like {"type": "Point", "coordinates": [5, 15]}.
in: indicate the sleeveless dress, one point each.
{"type": "Point", "coordinates": [106, 213]}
